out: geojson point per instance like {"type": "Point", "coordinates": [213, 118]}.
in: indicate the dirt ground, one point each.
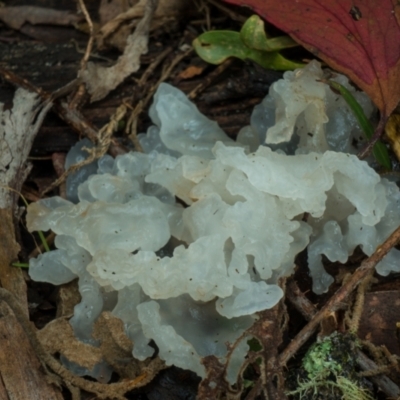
{"type": "Point", "coordinates": [44, 53]}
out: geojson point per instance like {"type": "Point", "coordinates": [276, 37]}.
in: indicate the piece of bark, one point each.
{"type": "Point", "coordinates": [21, 372]}
{"type": "Point", "coordinates": [58, 337]}
{"type": "Point", "coordinates": [10, 278]}
{"type": "Point", "coordinates": [378, 321]}
{"type": "Point", "coordinates": [18, 128]}
{"type": "Point", "coordinates": [17, 16]}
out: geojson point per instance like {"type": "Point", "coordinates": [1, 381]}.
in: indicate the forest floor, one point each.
{"type": "Point", "coordinates": [44, 52]}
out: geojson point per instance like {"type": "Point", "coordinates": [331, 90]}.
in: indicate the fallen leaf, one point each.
{"type": "Point", "coordinates": [190, 72]}
{"type": "Point", "coordinates": [58, 337]}
{"type": "Point", "coordinates": [17, 16]}
{"type": "Point", "coordinates": [121, 24]}
{"type": "Point", "coordinates": [379, 318]}
{"type": "Point", "coordinates": [101, 80]}
{"type": "Point", "coordinates": [360, 38]}
{"type": "Point", "coordinates": [109, 9]}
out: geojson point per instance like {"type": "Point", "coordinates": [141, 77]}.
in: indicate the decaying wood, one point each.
{"type": "Point", "coordinates": [17, 131]}
{"type": "Point", "coordinates": [17, 16]}
{"type": "Point", "coordinates": [59, 373]}
{"type": "Point", "coordinates": [21, 374]}
{"type": "Point", "coordinates": [10, 278]}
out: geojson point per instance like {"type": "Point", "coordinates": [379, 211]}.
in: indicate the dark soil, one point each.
{"type": "Point", "coordinates": [48, 57]}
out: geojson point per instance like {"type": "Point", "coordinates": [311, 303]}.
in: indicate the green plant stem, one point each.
{"type": "Point", "coordinates": [379, 150]}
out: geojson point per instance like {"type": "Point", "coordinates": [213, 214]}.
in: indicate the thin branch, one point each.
{"type": "Point", "coordinates": [89, 45]}
{"type": "Point", "coordinates": [340, 296]}
{"type": "Point", "coordinates": [376, 136]}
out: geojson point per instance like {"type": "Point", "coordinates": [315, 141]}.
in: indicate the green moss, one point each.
{"type": "Point", "coordinates": [329, 372]}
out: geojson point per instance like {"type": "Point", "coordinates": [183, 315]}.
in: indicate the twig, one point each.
{"type": "Point", "coordinates": [76, 100]}
{"type": "Point", "coordinates": [210, 78]}
{"type": "Point", "coordinates": [339, 297]}
{"type": "Point", "coordinates": [103, 144]}
{"type": "Point", "coordinates": [131, 126]}
{"type": "Point", "coordinates": [132, 122]}
{"type": "Point", "coordinates": [166, 73]}
{"type": "Point", "coordinates": [376, 136]}
{"type": "Point", "coordinates": [70, 115]}
{"type": "Point", "coordinates": [383, 382]}
{"type": "Point", "coordinates": [89, 45]}
{"type": "Point", "coordinates": [300, 301]}
{"type": "Point", "coordinates": [154, 64]}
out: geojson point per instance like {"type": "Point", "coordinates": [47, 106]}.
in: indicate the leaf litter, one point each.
{"type": "Point", "coordinates": [266, 365]}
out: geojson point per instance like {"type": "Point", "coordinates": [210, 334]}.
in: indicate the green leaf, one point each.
{"type": "Point", "coordinates": [253, 36]}
{"type": "Point", "coordinates": [20, 265]}
{"type": "Point", "coordinates": [217, 46]}
{"type": "Point", "coordinates": [379, 151]}
{"type": "Point", "coordinates": [44, 241]}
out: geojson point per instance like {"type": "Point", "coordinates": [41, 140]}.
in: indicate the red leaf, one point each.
{"type": "Point", "coordinates": [360, 38]}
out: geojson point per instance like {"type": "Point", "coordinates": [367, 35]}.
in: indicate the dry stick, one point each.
{"type": "Point", "coordinates": [383, 382]}
{"type": "Point", "coordinates": [71, 116]}
{"type": "Point", "coordinates": [300, 301]}
{"type": "Point", "coordinates": [103, 143]}
{"type": "Point", "coordinates": [165, 75]}
{"type": "Point", "coordinates": [154, 64]}
{"type": "Point", "coordinates": [340, 296]}
{"type": "Point", "coordinates": [210, 78]}
{"type": "Point", "coordinates": [112, 390]}
{"type": "Point", "coordinates": [204, 7]}
{"type": "Point", "coordinates": [16, 80]}
{"type": "Point", "coordinates": [376, 136]}
{"type": "Point", "coordinates": [131, 125]}
{"type": "Point", "coordinates": [80, 93]}
{"type": "Point", "coordinates": [89, 45]}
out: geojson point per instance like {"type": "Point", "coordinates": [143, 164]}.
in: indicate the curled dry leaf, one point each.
{"type": "Point", "coordinates": [360, 38]}
{"type": "Point", "coordinates": [116, 28]}
{"type": "Point", "coordinates": [109, 9]}
{"type": "Point", "coordinates": [101, 80]}
{"type": "Point", "coordinates": [17, 16]}
{"type": "Point", "coordinates": [58, 337]}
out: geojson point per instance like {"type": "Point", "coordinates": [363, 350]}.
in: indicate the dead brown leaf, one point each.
{"type": "Point", "coordinates": [115, 31]}
{"type": "Point", "coordinates": [378, 321]}
{"type": "Point", "coordinates": [110, 9]}
{"type": "Point", "coordinates": [101, 80]}
{"type": "Point", "coordinates": [17, 16]}
{"type": "Point", "coordinates": [190, 72]}
{"type": "Point", "coordinates": [58, 337]}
